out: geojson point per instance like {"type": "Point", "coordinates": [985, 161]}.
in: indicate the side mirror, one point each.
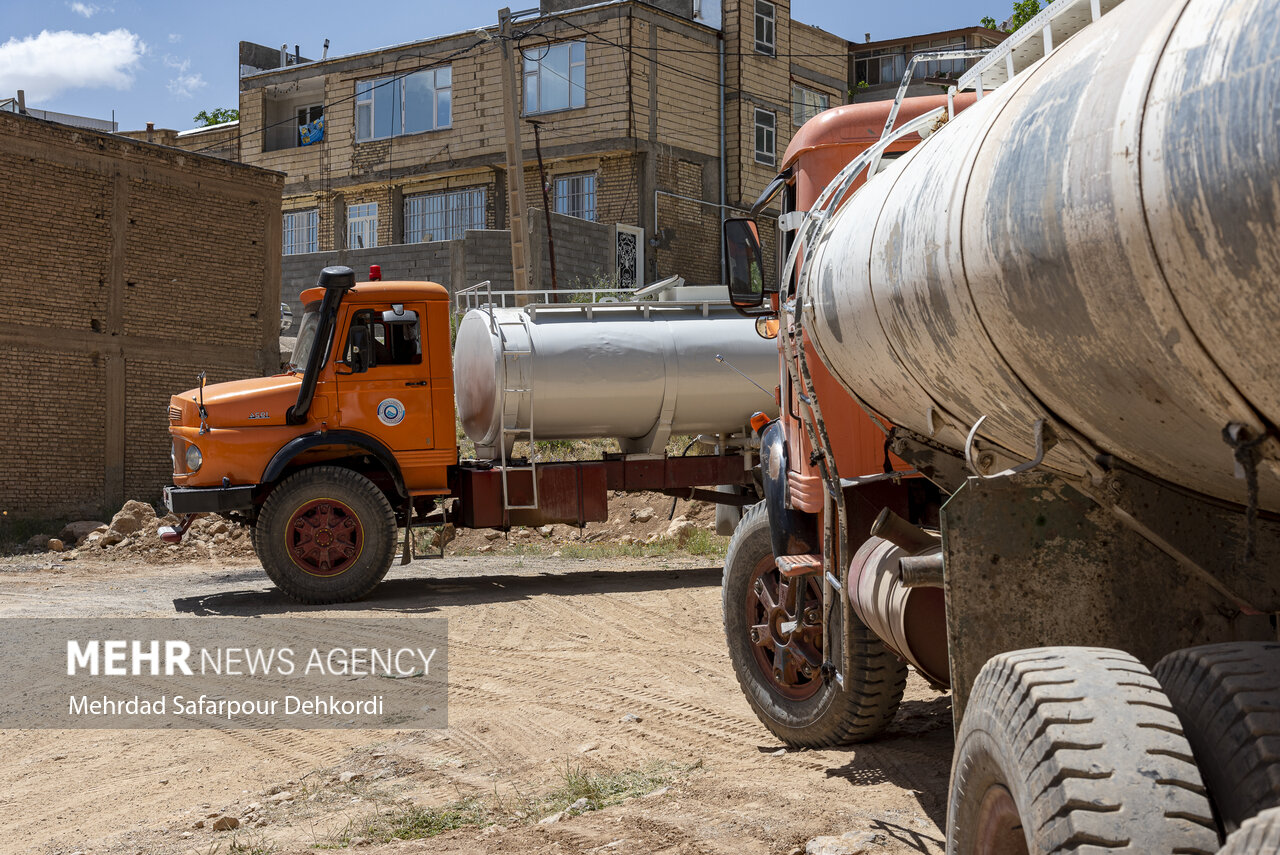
{"type": "Point", "coordinates": [744, 263]}
{"type": "Point", "coordinates": [767, 327]}
{"type": "Point", "coordinates": [359, 355]}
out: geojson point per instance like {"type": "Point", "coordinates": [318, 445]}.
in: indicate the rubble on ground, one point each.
{"type": "Point", "coordinates": [635, 519]}
{"type": "Point", "coordinates": [134, 533]}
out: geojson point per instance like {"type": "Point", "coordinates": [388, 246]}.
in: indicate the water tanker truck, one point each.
{"type": "Point", "coordinates": [1027, 442]}
{"type": "Point", "coordinates": [327, 461]}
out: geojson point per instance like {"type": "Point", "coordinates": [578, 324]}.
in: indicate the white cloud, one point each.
{"type": "Point", "coordinates": [174, 38]}
{"type": "Point", "coordinates": [53, 62]}
{"type": "Point", "coordinates": [86, 9]}
{"type": "Point", "coordinates": [185, 85]}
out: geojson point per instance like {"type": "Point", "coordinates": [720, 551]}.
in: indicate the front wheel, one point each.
{"type": "Point", "coordinates": [773, 626]}
{"type": "Point", "coordinates": [326, 535]}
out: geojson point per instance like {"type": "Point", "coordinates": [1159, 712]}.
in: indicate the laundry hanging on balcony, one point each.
{"type": "Point", "coordinates": [312, 132]}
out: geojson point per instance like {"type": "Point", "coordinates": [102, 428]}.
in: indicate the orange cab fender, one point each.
{"type": "Point", "coordinates": [368, 444]}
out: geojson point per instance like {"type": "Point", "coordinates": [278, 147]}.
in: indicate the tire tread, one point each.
{"type": "Point", "coordinates": [1094, 756]}
{"type": "Point", "coordinates": [1227, 697]}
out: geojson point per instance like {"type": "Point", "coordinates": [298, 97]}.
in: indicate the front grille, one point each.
{"type": "Point", "coordinates": [175, 414]}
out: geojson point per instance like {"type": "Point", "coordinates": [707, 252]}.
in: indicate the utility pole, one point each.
{"type": "Point", "coordinates": [516, 206]}
{"type": "Point", "coordinates": [546, 203]}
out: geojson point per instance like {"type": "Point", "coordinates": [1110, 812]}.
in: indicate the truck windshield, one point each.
{"type": "Point", "coordinates": [306, 336]}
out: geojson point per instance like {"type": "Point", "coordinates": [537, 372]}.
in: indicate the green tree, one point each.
{"type": "Point", "coordinates": [1023, 11]}
{"type": "Point", "coordinates": [218, 115]}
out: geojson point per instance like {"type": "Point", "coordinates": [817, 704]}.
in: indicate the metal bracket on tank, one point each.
{"type": "Point", "coordinates": [1046, 439]}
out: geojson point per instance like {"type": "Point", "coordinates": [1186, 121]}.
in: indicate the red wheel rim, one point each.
{"type": "Point", "coordinates": [787, 646]}
{"type": "Point", "coordinates": [324, 537]}
{"type": "Point", "coordinates": [999, 825]}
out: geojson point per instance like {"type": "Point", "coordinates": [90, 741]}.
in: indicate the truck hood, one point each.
{"type": "Point", "coordinates": [240, 403]}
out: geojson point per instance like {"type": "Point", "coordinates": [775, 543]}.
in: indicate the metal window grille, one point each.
{"type": "Point", "coordinates": [443, 216]}
{"type": "Point", "coordinates": [576, 196]}
{"type": "Point", "coordinates": [301, 232]}
{"type": "Point", "coordinates": [362, 226]}
{"type": "Point", "coordinates": [766, 129]}
{"type": "Point", "coordinates": [807, 103]}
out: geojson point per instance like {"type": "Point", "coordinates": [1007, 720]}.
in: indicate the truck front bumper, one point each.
{"type": "Point", "coordinates": [208, 500]}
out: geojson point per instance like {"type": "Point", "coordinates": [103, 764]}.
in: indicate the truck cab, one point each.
{"type": "Point", "coordinates": [367, 402]}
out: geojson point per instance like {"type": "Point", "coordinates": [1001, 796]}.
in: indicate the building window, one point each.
{"type": "Point", "coordinates": [301, 232]}
{"type": "Point", "coordinates": [417, 102]}
{"type": "Point", "coordinates": [807, 103]}
{"type": "Point", "coordinates": [443, 216]}
{"type": "Point", "coordinates": [362, 226]}
{"type": "Point", "coordinates": [887, 65]}
{"type": "Point", "coordinates": [555, 77]}
{"type": "Point", "coordinates": [871, 68]}
{"type": "Point", "coordinates": [576, 196]}
{"type": "Point", "coordinates": [944, 68]}
{"type": "Point", "coordinates": [765, 23]}
{"type": "Point", "coordinates": [766, 127]}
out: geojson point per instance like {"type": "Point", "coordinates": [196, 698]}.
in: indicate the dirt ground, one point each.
{"type": "Point", "coordinates": [561, 668]}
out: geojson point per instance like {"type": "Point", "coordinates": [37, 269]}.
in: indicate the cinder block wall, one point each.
{"type": "Point", "coordinates": [128, 269]}
{"type": "Point", "coordinates": [584, 257]}
{"type": "Point", "coordinates": [584, 252]}
{"type": "Point", "coordinates": [414, 261]}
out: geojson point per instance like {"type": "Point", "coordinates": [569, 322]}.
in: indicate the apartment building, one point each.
{"type": "Point", "coordinates": [876, 67]}
{"type": "Point", "coordinates": [652, 123]}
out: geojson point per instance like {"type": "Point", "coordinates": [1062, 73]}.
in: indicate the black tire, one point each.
{"type": "Point", "coordinates": [327, 491]}
{"type": "Point", "coordinates": [1072, 749]}
{"type": "Point", "coordinates": [830, 715]}
{"type": "Point", "coordinates": [1257, 836]}
{"type": "Point", "coordinates": [1228, 698]}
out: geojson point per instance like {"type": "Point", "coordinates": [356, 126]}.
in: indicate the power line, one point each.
{"type": "Point", "coordinates": [792, 103]}
{"type": "Point", "coordinates": [394, 78]}
{"type": "Point", "coordinates": [641, 55]}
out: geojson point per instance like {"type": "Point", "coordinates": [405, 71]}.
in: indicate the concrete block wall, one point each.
{"type": "Point", "coordinates": [584, 252]}
{"type": "Point", "coordinates": [129, 268]}
{"type": "Point", "coordinates": [417, 261]}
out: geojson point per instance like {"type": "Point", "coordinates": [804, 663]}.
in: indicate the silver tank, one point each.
{"type": "Point", "coordinates": [1096, 243]}
{"type": "Point", "coordinates": [637, 372]}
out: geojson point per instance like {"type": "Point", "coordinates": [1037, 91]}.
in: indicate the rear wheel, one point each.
{"type": "Point", "coordinates": [326, 535]}
{"type": "Point", "coordinates": [1257, 836]}
{"type": "Point", "coordinates": [1228, 698]}
{"type": "Point", "coordinates": [1070, 749]}
{"type": "Point", "coordinates": [773, 626]}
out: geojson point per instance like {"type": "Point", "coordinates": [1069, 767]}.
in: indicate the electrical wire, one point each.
{"type": "Point", "coordinates": [640, 54]}
{"type": "Point", "coordinates": [394, 78]}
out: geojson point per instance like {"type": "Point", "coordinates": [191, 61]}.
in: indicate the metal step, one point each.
{"type": "Point", "coordinates": [798, 565]}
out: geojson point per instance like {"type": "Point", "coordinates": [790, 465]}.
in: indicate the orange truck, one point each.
{"type": "Point", "coordinates": [773, 577]}
{"type": "Point", "coordinates": [1028, 444]}
{"type": "Point", "coordinates": [358, 439]}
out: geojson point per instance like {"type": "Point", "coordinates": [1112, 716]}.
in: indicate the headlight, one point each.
{"type": "Point", "coordinates": [194, 459]}
{"type": "Point", "coordinates": [173, 455]}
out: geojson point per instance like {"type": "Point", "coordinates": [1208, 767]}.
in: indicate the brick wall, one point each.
{"type": "Point", "coordinates": [130, 267]}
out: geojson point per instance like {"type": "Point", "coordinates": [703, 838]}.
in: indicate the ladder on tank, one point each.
{"type": "Point", "coordinates": [517, 385]}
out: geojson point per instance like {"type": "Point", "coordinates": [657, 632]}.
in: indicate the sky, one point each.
{"type": "Point", "coordinates": [163, 61]}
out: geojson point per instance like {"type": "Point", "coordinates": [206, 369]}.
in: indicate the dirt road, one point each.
{"type": "Point", "coordinates": [561, 671]}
